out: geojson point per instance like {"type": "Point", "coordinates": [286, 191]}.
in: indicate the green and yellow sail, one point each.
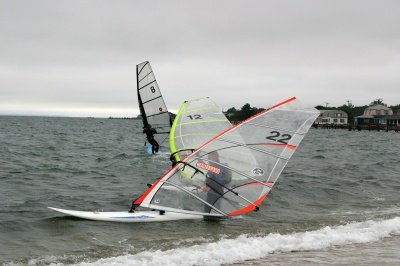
{"type": "Point", "coordinates": [197, 122]}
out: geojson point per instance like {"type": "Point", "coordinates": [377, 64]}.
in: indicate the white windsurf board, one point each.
{"type": "Point", "coordinates": [127, 217]}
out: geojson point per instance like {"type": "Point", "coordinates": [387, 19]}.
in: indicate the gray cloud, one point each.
{"type": "Point", "coordinates": [79, 57]}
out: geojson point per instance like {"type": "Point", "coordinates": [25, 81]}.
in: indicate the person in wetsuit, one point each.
{"type": "Point", "coordinates": [149, 131]}
{"type": "Point", "coordinates": [216, 178]}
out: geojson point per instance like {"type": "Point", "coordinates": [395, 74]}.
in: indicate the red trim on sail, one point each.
{"type": "Point", "coordinates": [269, 109]}
{"type": "Point", "coordinates": [139, 200]}
{"type": "Point", "coordinates": [290, 147]}
{"type": "Point", "coordinates": [240, 124]}
{"type": "Point", "coordinates": [268, 184]}
{"type": "Point", "coordinates": [248, 208]}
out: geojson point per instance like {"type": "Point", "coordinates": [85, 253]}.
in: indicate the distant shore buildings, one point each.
{"type": "Point", "coordinates": [378, 114]}
{"type": "Point", "coordinates": [332, 117]}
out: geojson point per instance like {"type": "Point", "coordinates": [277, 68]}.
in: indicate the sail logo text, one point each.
{"type": "Point", "coordinates": [204, 166]}
{"type": "Point", "coordinates": [258, 171]}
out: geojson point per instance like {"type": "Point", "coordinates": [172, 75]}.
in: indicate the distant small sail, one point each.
{"type": "Point", "coordinates": [265, 141]}
{"type": "Point", "coordinates": [151, 103]}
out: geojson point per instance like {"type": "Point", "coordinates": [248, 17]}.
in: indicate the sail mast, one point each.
{"type": "Point", "coordinates": [142, 112]}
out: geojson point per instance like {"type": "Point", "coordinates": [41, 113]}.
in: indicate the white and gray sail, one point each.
{"type": "Point", "coordinates": [266, 141]}
{"type": "Point", "coordinates": [151, 103]}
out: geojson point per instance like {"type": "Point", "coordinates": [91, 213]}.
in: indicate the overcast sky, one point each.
{"type": "Point", "coordinates": [78, 58]}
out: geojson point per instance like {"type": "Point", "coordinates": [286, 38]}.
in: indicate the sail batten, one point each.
{"type": "Point", "coordinates": [249, 146]}
{"type": "Point", "coordinates": [270, 127]}
{"type": "Point", "coordinates": [142, 67]}
{"type": "Point", "coordinates": [145, 76]}
{"type": "Point", "coordinates": [244, 174]}
{"type": "Point", "coordinates": [147, 84]}
{"type": "Point", "coordinates": [157, 114]}
{"type": "Point", "coordinates": [203, 122]}
{"type": "Point", "coordinates": [190, 193]}
{"type": "Point", "coordinates": [152, 100]}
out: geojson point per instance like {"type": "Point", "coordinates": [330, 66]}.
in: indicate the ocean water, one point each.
{"type": "Point", "coordinates": [337, 201]}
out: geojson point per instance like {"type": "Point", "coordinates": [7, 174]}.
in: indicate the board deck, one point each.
{"type": "Point", "coordinates": [127, 217]}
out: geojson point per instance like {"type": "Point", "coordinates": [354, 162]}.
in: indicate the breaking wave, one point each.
{"type": "Point", "coordinates": [244, 247]}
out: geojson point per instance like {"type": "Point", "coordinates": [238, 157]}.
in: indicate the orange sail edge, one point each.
{"type": "Point", "coordinates": [140, 199]}
{"type": "Point", "coordinates": [249, 208]}
{"type": "Point", "coordinates": [290, 147]}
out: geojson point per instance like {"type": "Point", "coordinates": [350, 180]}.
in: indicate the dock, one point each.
{"type": "Point", "coordinates": [369, 127]}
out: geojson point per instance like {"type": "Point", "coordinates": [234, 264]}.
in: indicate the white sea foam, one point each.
{"type": "Point", "coordinates": [245, 247]}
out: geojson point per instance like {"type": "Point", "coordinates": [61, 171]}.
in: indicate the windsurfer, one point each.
{"type": "Point", "coordinates": [150, 131]}
{"type": "Point", "coordinates": [216, 179]}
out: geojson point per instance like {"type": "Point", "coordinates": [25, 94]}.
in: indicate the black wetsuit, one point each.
{"type": "Point", "coordinates": [150, 138]}
{"type": "Point", "coordinates": [216, 183]}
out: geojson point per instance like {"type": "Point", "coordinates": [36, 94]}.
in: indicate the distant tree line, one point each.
{"type": "Point", "coordinates": [237, 115]}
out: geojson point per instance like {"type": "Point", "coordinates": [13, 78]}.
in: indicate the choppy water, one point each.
{"type": "Point", "coordinates": [336, 203]}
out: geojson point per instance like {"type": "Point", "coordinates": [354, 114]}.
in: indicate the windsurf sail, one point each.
{"type": "Point", "coordinates": [151, 103]}
{"type": "Point", "coordinates": [196, 122]}
{"type": "Point", "coordinates": [224, 186]}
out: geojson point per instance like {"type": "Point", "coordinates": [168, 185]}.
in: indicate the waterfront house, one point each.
{"type": "Point", "coordinates": [332, 117]}
{"type": "Point", "coordinates": [375, 114]}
